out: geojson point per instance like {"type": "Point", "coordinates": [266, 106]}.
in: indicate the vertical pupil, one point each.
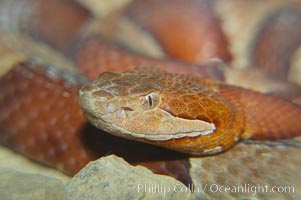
{"type": "Point", "coordinates": [150, 101]}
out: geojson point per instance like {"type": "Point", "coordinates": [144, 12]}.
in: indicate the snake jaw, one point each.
{"type": "Point", "coordinates": [127, 134]}
{"type": "Point", "coordinates": [154, 125]}
{"type": "Point", "coordinates": [115, 129]}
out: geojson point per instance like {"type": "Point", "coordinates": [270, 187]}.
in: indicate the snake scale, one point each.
{"type": "Point", "coordinates": [182, 102]}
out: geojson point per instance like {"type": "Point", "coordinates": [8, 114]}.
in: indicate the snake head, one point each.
{"type": "Point", "coordinates": [132, 104]}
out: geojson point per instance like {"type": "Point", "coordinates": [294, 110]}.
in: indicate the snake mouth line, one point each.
{"type": "Point", "coordinates": [152, 137]}
{"type": "Point", "coordinates": [165, 137]}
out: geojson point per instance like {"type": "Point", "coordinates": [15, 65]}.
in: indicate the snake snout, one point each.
{"type": "Point", "coordinates": [85, 100]}
{"type": "Point", "coordinates": [93, 102]}
{"type": "Point", "coordinates": [99, 103]}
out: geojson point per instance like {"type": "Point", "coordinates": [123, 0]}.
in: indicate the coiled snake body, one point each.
{"type": "Point", "coordinates": [196, 113]}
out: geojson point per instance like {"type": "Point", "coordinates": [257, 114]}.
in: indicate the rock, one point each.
{"type": "Point", "coordinates": [251, 171]}
{"type": "Point", "coordinates": [112, 178]}
{"type": "Point", "coordinates": [24, 186]}
{"type": "Point", "coordinates": [12, 160]}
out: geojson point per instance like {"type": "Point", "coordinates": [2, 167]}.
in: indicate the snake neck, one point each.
{"type": "Point", "coordinates": [265, 116]}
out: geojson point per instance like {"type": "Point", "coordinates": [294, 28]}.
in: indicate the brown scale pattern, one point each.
{"type": "Point", "coordinates": [277, 41]}
{"type": "Point", "coordinates": [95, 56]}
{"type": "Point", "coordinates": [266, 116]}
{"type": "Point", "coordinates": [209, 107]}
{"type": "Point", "coordinates": [187, 30]}
{"type": "Point", "coordinates": [236, 112]}
{"type": "Point", "coordinates": [40, 117]}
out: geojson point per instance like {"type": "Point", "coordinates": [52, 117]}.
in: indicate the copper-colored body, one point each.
{"type": "Point", "coordinates": [43, 133]}
{"type": "Point", "coordinates": [48, 22]}
{"type": "Point", "coordinates": [171, 21]}
{"type": "Point", "coordinates": [96, 56]}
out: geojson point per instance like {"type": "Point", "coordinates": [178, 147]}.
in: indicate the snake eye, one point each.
{"type": "Point", "coordinates": [150, 101]}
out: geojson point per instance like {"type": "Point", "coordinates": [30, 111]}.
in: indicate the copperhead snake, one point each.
{"type": "Point", "coordinates": [196, 113]}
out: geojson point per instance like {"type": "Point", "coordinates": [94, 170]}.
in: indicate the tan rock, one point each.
{"type": "Point", "coordinates": [14, 161]}
{"type": "Point", "coordinates": [252, 169]}
{"type": "Point", "coordinates": [112, 178]}
{"type": "Point", "coordinates": [24, 186]}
